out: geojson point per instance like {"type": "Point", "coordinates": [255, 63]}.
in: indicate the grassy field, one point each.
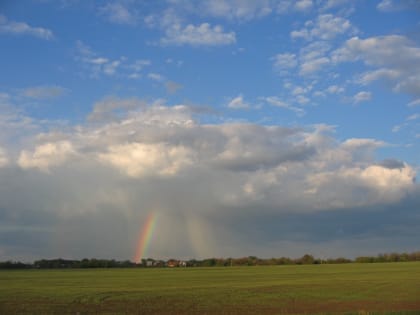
{"type": "Point", "coordinates": [389, 288]}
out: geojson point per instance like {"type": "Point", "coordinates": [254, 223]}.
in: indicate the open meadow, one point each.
{"type": "Point", "coordinates": [380, 288]}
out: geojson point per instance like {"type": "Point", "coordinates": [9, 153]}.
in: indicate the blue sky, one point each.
{"type": "Point", "coordinates": [245, 125]}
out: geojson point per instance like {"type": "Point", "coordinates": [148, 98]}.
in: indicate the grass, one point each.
{"type": "Point", "coordinates": [368, 289]}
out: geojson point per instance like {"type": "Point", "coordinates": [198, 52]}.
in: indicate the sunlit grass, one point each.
{"type": "Point", "coordinates": [390, 288]}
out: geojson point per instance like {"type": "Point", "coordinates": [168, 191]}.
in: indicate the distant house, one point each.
{"type": "Point", "coordinates": [172, 263]}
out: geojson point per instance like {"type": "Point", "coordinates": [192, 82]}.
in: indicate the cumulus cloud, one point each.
{"type": "Point", "coordinates": [385, 5]}
{"type": "Point", "coordinates": [334, 89]}
{"type": "Point", "coordinates": [200, 35]}
{"type": "Point", "coordinates": [238, 103]}
{"type": "Point", "coordinates": [117, 12]}
{"type": "Point", "coordinates": [313, 65]}
{"type": "Point", "coordinates": [334, 3]}
{"type": "Point", "coordinates": [46, 155]}
{"type": "Point", "coordinates": [326, 27]}
{"type": "Point", "coordinates": [234, 9]}
{"type": "Point", "coordinates": [395, 58]}
{"type": "Point", "coordinates": [283, 62]}
{"type": "Point", "coordinates": [313, 58]}
{"type": "Point", "coordinates": [200, 178]}
{"type": "Point", "coordinates": [163, 140]}
{"type": "Point", "coordinates": [21, 28]}
{"type": "Point", "coordinates": [139, 64]}
{"type": "Point", "coordinates": [97, 65]}
{"type": "Point", "coordinates": [303, 5]}
{"type": "Point", "coordinates": [362, 96]}
{"type": "Point", "coordinates": [139, 159]}
{"type": "Point", "coordinates": [413, 117]}
{"type": "Point", "coordinates": [392, 5]}
{"type": "Point", "coordinates": [414, 103]}
{"type": "Point", "coordinates": [155, 76]}
{"type": "Point", "coordinates": [382, 185]}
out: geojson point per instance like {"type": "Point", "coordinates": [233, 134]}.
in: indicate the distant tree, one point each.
{"type": "Point", "coordinates": [306, 259]}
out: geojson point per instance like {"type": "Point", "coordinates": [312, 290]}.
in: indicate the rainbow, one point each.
{"type": "Point", "coordinates": [145, 236]}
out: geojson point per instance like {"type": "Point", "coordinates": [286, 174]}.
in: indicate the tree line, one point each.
{"type": "Point", "coordinates": [306, 259]}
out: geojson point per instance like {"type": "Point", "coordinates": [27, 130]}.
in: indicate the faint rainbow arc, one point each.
{"type": "Point", "coordinates": [145, 237]}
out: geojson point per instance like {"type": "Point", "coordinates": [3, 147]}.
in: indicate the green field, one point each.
{"type": "Point", "coordinates": [381, 288]}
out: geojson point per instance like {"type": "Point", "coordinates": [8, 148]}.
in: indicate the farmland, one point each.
{"type": "Point", "coordinates": [381, 288]}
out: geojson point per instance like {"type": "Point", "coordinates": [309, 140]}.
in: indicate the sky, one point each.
{"type": "Point", "coordinates": [242, 127]}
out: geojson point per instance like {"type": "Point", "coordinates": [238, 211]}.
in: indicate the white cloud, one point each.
{"type": "Point", "coordinates": [238, 103]}
{"type": "Point", "coordinates": [414, 103]}
{"type": "Point", "coordinates": [392, 5]}
{"type": "Point", "coordinates": [291, 6]}
{"type": "Point", "coordinates": [397, 128]}
{"type": "Point", "coordinates": [362, 96]}
{"type": "Point", "coordinates": [136, 67]}
{"type": "Point", "coordinates": [313, 58]}
{"type": "Point", "coordinates": [21, 28]}
{"type": "Point", "coordinates": [46, 155]}
{"type": "Point", "coordinates": [284, 62]}
{"type": "Point", "coordinates": [98, 65]}
{"type": "Point", "coordinates": [111, 67]}
{"type": "Point", "coordinates": [139, 64]}
{"type": "Point", "coordinates": [374, 75]}
{"type": "Point", "coordinates": [383, 185]}
{"type": "Point", "coordinates": [385, 5]}
{"type": "Point", "coordinates": [302, 99]}
{"type": "Point", "coordinates": [334, 3]}
{"type": "Point", "coordinates": [155, 76]}
{"type": "Point", "coordinates": [303, 5]}
{"type": "Point", "coordinates": [303, 33]}
{"type": "Point", "coordinates": [395, 50]}
{"type": "Point", "coordinates": [396, 58]}
{"type": "Point", "coordinates": [140, 159]}
{"type": "Point", "coordinates": [297, 90]}
{"type": "Point", "coordinates": [329, 26]}
{"type": "Point", "coordinates": [200, 35]}
{"type": "Point", "coordinates": [314, 50]}
{"type": "Point", "coordinates": [312, 66]}
{"type": "Point", "coordinates": [326, 27]}
{"type": "Point", "coordinates": [413, 117]}
{"type": "Point", "coordinates": [275, 101]}
{"type": "Point", "coordinates": [44, 92]}
{"type": "Point", "coordinates": [234, 9]}
{"type": "Point", "coordinates": [334, 89]}
{"type": "Point", "coordinates": [357, 143]}
{"type": "Point", "coordinates": [117, 12]}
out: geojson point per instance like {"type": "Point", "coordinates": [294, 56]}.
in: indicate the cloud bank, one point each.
{"type": "Point", "coordinates": [85, 191]}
